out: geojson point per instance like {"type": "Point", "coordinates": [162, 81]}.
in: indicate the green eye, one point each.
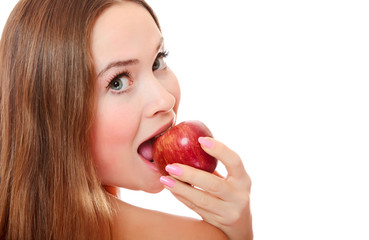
{"type": "Point", "coordinates": [116, 84]}
{"type": "Point", "coordinates": [159, 62]}
{"type": "Point", "coordinates": [156, 65]}
{"type": "Point", "coordinates": [120, 83]}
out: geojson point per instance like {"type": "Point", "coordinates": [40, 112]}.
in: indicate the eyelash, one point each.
{"type": "Point", "coordinates": [161, 55]}
{"type": "Point", "coordinates": [126, 74]}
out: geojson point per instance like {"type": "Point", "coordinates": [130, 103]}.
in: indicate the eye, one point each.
{"type": "Point", "coordinates": [120, 83]}
{"type": "Point", "coordinates": [159, 62]}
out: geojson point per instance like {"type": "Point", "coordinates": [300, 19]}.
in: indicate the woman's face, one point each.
{"type": "Point", "coordinates": [137, 96]}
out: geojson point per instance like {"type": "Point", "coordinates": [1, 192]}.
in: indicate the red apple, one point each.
{"type": "Point", "coordinates": [180, 145]}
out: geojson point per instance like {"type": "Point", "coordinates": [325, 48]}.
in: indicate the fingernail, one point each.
{"type": "Point", "coordinates": [175, 170]}
{"type": "Point", "coordinates": [206, 142]}
{"type": "Point", "coordinates": [167, 181]}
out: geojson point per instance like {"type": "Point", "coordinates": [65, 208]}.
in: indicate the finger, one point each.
{"type": "Point", "coordinates": [198, 198]}
{"type": "Point", "coordinates": [218, 174]}
{"type": "Point", "coordinates": [208, 182]}
{"type": "Point", "coordinates": [229, 158]}
{"type": "Point", "coordinates": [229, 217]}
{"type": "Point", "coordinates": [207, 216]}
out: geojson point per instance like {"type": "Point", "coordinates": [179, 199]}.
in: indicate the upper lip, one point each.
{"type": "Point", "coordinates": [161, 130]}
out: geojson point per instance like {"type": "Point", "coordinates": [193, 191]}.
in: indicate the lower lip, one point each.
{"type": "Point", "coordinates": [151, 165]}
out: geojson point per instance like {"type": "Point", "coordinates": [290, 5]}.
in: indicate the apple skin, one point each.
{"type": "Point", "coordinates": [180, 145]}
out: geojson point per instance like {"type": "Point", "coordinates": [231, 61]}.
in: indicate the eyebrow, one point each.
{"type": "Point", "coordinates": [127, 62]}
{"type": "Point", "coordinates": [118, 64]}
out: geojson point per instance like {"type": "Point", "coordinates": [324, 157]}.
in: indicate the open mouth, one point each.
{"type": "Point", "coordinates": [146, 148]}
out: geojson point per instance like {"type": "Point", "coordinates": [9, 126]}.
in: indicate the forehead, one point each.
{"type": "Point", "coordinates": [123, 31]}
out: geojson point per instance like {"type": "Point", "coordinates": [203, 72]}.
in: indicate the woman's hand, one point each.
{"type": "Point", "coordinates": [222, 202]}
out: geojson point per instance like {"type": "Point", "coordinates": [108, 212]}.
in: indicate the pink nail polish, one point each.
{"type": "Point", "coordinates": [206, 142]}
{"type": "Point", "coordinates": [167, 181]}
{"type": "Point", "coordinates": [175, 170]}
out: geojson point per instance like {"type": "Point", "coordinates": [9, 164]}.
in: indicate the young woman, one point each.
{"type": "Point", "coordinates": [84, 86]}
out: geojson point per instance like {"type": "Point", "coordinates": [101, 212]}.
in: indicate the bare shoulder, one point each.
{"type": "Point", "coordinates": [131, 222]}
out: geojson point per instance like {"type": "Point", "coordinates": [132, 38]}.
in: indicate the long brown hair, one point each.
{"type": "Point", "coordinates": [48, 185]}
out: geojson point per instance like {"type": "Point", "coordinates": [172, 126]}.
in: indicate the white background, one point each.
{"type": "Point", "coordinates": [285, 84]}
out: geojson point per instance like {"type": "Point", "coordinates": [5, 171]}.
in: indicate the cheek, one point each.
{"type": "Point", "coordinates": [112, 135]}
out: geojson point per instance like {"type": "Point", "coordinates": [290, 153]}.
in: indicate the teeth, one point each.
{"type": "Point", "coordinates": [162, 133]}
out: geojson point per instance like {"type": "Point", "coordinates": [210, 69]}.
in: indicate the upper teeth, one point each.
{"type": "Point", "coordinates": [162, 133]}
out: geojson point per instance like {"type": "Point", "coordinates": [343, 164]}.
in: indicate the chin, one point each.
{"type": "Point", "coordinates": [153, 189]}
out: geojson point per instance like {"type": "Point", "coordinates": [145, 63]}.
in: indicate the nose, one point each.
{"type": "Point", "coordinates": [159, 98]}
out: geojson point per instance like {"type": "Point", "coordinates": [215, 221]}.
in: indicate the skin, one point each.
{"type": "Point", "coordinates": [134, 108]}
{"type": "Point", "coordinates": [125, 119]}
{"type": "Point", "coordinates": [222, 201]}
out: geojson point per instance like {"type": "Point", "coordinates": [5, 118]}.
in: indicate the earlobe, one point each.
{"type": "Point", "coordinates": [112, 190]}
